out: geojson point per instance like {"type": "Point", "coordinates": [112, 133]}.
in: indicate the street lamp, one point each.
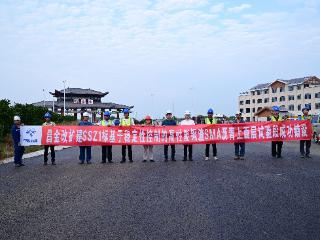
{"type": "Point", "coordinates": [64, 97]}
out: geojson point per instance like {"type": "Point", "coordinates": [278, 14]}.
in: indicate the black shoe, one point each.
{"type": "Point", "coordinates": [190, 159]}
{"type": "Point", "coordinates": [53, 163]}
{"type": "Point", "coordinates": [302, 156]}
{"type": "Point", "coordinates": [110, 161]}
{"type": "Point", "coordinates": [123, 161]}
{"type": "Point", "coordinates": [45, 163]}
{"type": "Point", "coordinates": [166, 159]}
{"type": "Point", "coordinates": [81, 162]}
{"type": "Point", "coordinates": [144, 161]}
{"type": "Point", "coordinates": [308, 156]}
{"type": "Point", "coordinates": [88, 162]}
{"type": "Point", "coordinates": [17, 165]}
{"type": "Point", "coordinates": [103, 162]}
{"type": "Point", "coordinates": [184, 159]}
{"type": "Point", "coordinates": [21, 165]}
{"type": "Point", "coordinates": [131, 160]}
{"type": "Point", "coordinates": [151, 160]}
{"type": "Point", "coordinates": [279, 156]}
{"type": "Point", "coordinates": [274, 156]}
{"type": "Point", "coordinates": [173, 159]}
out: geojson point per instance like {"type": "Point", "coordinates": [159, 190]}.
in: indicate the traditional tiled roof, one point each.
{"type": "Point", "coordinates": [99, 105]}
{"type": "Point", "coordinates": [294, 81]}
{"type": "Point", "coordinates": [79, 91]}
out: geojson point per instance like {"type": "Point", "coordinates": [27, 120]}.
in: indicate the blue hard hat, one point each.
{"type": "Point", "coordinates": [107, 113]}
{"type": "Point", "coordinates": [276, 108]}
{"type": "Point", "coordinates": [126, 110]}
{"type": "Point", "coordinates": [47, 115]}
{"type": "Point", "coordinates": [117, 122]}
{"type": "Point", "coordinates": [210, 111]}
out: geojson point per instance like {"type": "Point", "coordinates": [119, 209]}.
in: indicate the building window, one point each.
{"type": "Point", "coordinates": [248, 119]}
{"type": "Point", "coordinates": [309, 105]}
{"type": "Point", "coordinates": [247, 101]}
{"type": "Point", "coordinates": [307, 96]}
{"type": "Point", "coordinates": [260, 100]}
{"type": "Point", "coordinates": [253, 110]}
{"type": "Point", "coordinates": [317, 106]}
{"type": "Point", "coordinates": [253, 101]}
{"type": "Point", "coordinates": [241, 103]}
{"type": "Point", "coordinates": [290, 88]}
{"type": "Point", "coordinates": [258, 92]}
{"type": "Point", "coordinates": [299, 87]}
{"type": "Point", "coordinates": [259, 108]}
{"type": "Point", "coordinates": [247, 110]}
{"type": "Point", "coordinates": [282, 89]}
{"type": "Point", "coordinates": [291, 97]}
{"type": "Point", "coordinates": [282, 98]}
{"type": "Point", "coordinates": [299, 97]}
{"type": "Point", "coordinates": [291, 108]}
{"type": "Point", "coordinates": [306, 85]}
{"type": "Point", "coordinates": [274, 90]}
{"type": "Point", "coordinates": [274, 99]}
{"type": "Point", "coordinates": [317, 95]}
{"type": "Point", "coordinates": [253, 93]}
{"type": "Point", "coordinates": [241, 110]}
{"type": "Point", "coordinates": [266, 91]}
{"type": "Point", "coordinates": [266, 100]}
{"type": "Point", "coordinates": [299, 107]}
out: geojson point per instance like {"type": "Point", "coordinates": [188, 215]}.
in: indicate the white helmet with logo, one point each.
{"type": "Point", "coordinates": [16, 118]}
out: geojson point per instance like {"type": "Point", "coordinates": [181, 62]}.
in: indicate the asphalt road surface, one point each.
{"type": "Point", "coordinates": [259, 198]}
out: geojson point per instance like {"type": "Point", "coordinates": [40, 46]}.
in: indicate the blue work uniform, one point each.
{"type": "Point", "coordinates": [85, 149]}
{"type": "Point", "coordinates": [18, 149]}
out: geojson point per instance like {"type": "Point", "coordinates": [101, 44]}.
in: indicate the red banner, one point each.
{"type": "Point", "coordinates": [162, 135]}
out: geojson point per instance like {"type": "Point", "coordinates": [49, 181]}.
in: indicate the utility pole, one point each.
{"type": "Point", "coordinates": [64, 97]}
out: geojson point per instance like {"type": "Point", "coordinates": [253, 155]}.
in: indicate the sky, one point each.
{"type": "Point", "coordinates": [156, 55]}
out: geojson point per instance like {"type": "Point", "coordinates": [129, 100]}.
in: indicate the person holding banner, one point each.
{"type": "Point", "coordinates": [106, 150]}
{"type": "Point", "coordinates": [169, 121]}
{"type": "Point", "coordinates": [239, 147]}
{"type": "Point", "coordinates": [148, 149]}
{"type": "Point", "coordinates": [211, 120]}
{"type": "Point", "coordinates": [126, 122]}
{"type": "Point", "coordinates": [276, 146]}
{"type": "Point", "coordinates": [305, 154]}
{"type": "Point", "coordinates": [18, 149]}
{"type": "Point", "coordinates": [48, 122]}
{"type": "Point", "coordinates": [187, 122]}
{"type": "Point", "coordinates": [85, 149]}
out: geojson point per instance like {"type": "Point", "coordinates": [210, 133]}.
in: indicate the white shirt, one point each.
{"type": "Point", "coordinates": [187, 122]}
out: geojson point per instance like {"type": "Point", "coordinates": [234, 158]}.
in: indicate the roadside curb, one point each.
{"type": "Point", "coordinates": [33, 154]}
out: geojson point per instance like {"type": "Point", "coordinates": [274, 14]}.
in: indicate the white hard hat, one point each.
{"type": "Point", "coordinates": [238, 113]}
{"type": "Point", "coordinates": [187, 112]}
{"type": "Point", "coordinates": [16, 118]}
{"type": "Point", "coordinates": [168, 112]}
{"type": "Point", "coordinates": [86, 114]}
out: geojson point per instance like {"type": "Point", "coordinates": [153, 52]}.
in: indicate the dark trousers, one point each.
{"type": "Point", "coordinates": [124, 147]}
{"type": "Point", "coordinates": [173, 151]}
{"type": "Point", "coordinates": [240, 149]}
{"type": "Point", "coordinates": [83, 151]}
{"type": "Point", "coordinates": [308, 146]}
{"type": "Point", "coordinates": [276, 148]}
{"type": "Point", "coordinates": [53, 154]}
{"type": "Point", "coordinates": [214, 148]}
{"type": "Point", "coordinates": [106, 152]}
{"type": "Point", "coordinates": [18, 153]}
{"type": "Point", "coordinates": [187, 148]}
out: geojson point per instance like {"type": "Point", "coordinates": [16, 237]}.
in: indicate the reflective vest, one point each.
{"type": "Point", "coordinates": [306, 118]}
{"type": "Point", "coordinates": [106, 123]}
{"type": "Point", "coordinates": [126, 122]}
{"type": "Point", "coordinates": [214, 121]}
{"type": "Point", "coordinates": [273, 119]}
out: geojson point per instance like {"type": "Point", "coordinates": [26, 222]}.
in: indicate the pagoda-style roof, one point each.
{"type": "Point", "coordinates": [71, 105]}
{"type": "Point", "coordinates": [78, 92]}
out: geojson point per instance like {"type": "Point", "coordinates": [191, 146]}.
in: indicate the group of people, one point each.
{"type": "Point", "coordinates": [85, 151]}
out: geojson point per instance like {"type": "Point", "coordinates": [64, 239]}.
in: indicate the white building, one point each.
{"type": "Point", "coordinates": [291, 95]}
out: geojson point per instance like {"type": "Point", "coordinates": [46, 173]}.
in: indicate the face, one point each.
{"type": "Point", "coordinates": [126, 115]}
{"type": "Point", "coordinates": [210, 115]}
{"type": "Point", "coordinates": [86, 119]}
{"type": "Point", "coordinates": [17, 122]}
{"type": "Point", "coordinates": [47, 119]}
{"type": "Point", "coordinates": [187, 116]}
{"type": "Point", "coordinates": [106, 117]}
{"type": "Point", "coordinates": [275, 113]}
{"type": "Point", "coordinates": [305, 112]}
{"type": "Point", "coordinates": [169, 116]}
{"type": "Point", "coordinates": [148, 121]}
{"type": "Point", "coordinates": [238, 116]}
